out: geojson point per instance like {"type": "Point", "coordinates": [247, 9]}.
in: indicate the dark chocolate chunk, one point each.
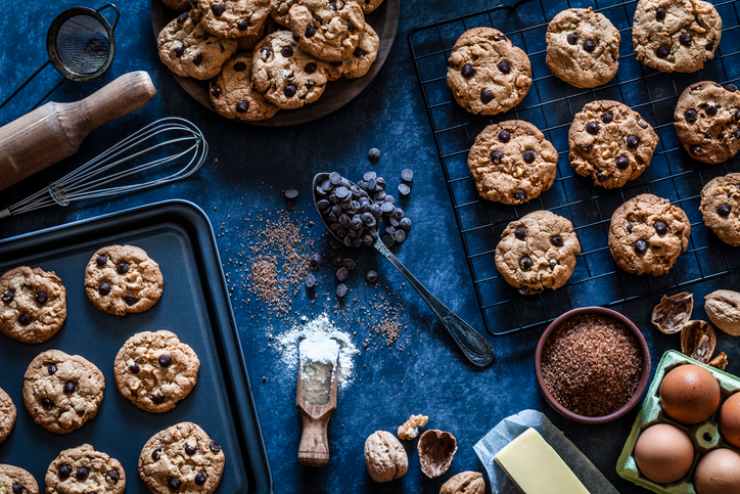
{"type": "Point", "coordinates": [525, 263]}
{"type": "Point", "coordinates": [486, 95]}
{"type": "Point", "coordinates": [504, 66]}
{"type": "Point", "coordinates": [691, 115]}
{"type": "Point", "coordinates": [724, 210]}
{"type": "Point", "coordinates": [572, 38]}
{"type": "Point", "coordinates": [641, 247]}
{"type": "Point", "coordinates": [496, 156]}
{"type": "Point", "coordinates": [592, 128]}
{"type": "Point", "coordinates": [589, 45]}
{"type": "Point", "coordinates": [632, 141]}
{"type": "Point", "coordinates": [8, 295]}
{"type": "Point", "coordinates": [101, 261]}
{"type": "Point", "coordinates": [70, 387]}
{"type": "Point", "coordinates": [607, 116]}
{"type": "Point", "coordinates": [556, 240]}
{"type": "Point", "coordinates": [520, 232]}
{"type": "Point", "coordinates": [218, 9]}
{"type": "Point", "coordinates": [660, 227]}
{"type": "Point", "coordinates": [373, 155]}
{"type": "Point", "coordinates": [64, 471]}
{"type": "Point", "coordinates": [528, 156]}
{"type": "Point", "coordinates": [165, 360]}
{"type": "Point", "coordinates": [122, 267]}
{"type": "Point", "coordinates": [82, 473]}
{"type": "Point", "coordinates": [341, 291]}
{"type": "Point", "coordinates": [104, 288]}
{"type": "Point", "coordinates": [467, 71]}
{"type": "Point", "coordinates": [622, 161]}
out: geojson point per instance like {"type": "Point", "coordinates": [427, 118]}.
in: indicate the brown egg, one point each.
{"type": "Point", "coordinates": [689, 394]}
{"type": "Point", "coordinates": [729, 420]}
{"type": "Point", "coordinates": [664, 453]}
{"type": "Point", "coordinates": [718, 472]}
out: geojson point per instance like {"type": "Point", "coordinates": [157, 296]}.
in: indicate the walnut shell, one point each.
{"type": "Point", "coordinates": [385, 457]}
{"type": "Point", "coordinates": [465, 483]}
{"type": "Point", "coordinates": [409, 430]}
{"type": "Point", "coordinates": [720, 361]}
{"type": "Point", "coordinates": [673, 311]}
{"type": "Point", "coordinates": [699, 340]}
{"type": "Point", "coordinates": [436, 450]}
{"type": "Point", "coordinates": [723, 309]}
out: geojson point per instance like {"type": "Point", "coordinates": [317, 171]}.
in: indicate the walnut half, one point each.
{"type": "Point", "coordinates": [409, 430]}
{"type": "Point", "coordinates": [465, 483]}
{"type": "Point", "coordinates": [436, 450]}
{"type": "Point", "coordinates": [723, 309]}
{"type": "Point", "coordinates": [385, 458]}
{"type": "Point", "coordinates": [673, 312]}
{"type": "Point", "coordinates": [699, 340]}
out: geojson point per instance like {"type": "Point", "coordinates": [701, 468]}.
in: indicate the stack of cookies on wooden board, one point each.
{"type": "Point", "coordinates": [263, 56]}
{"type": "Point", "coordinates": [513, 163]}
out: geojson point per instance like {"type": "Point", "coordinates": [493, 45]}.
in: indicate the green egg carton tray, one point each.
{"type": "Point", "coordinates": [705, 436]}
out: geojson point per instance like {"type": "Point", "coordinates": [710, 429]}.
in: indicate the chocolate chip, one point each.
{"type": "Point", "coordinates": [496, 156]}
{"type": "Point", "coordinates": [101, 261]}
{"type": "Point", "coordinates": [310, 68]}
{"type": "Point", "coordinates": [660, 227]}
{"type": "Point", "coordinates": [486, 95]}
{"type": "Point", "coordinates": [198, 59]}
{"type": "Point", "coordinates": [663, 51]}
{"type": "Point", "coordinates": [572, 38]}
{"type": "Point", "coordinates": [711, 109]}
{"type": "Point", "coordinates": [359, 52]}
{"type": "Point", "coordinates": [157, 399]}
{"type": "Point", "coordinates": [242, 25]}
{"type": "Point", "coordinates": [311, 282]}
{"type": "Point", "coordinates": [520, 232]}
{"type": "Point", "coordinates": [310, 31]}
{"type": "Point", "coordinates": [122, 267]}
{"type": "Point", "coordinates": [691, 115]}
{"type": "Point", "coordinates": [467, 70]}
{"type": "Point", "coordinates": [528, 156]}
{"type": "Point", "coordinates": [520, 195]}
{"type": "Point", "coordinates": [592, 128]}
{"type": "Point", "coordinates": [113, 475]}
{"type": "Point", "coordinates": [165, 360]}
{"type": "Point", "coordinates": [504, 136]}
{"type": "Point", "coordinates": [265, 53]}
{"type": "Point", "coordinates": [130, 299]}
{"type": "Point", "coordinates": [70, 387]}
{"type": "Point", "coordinates": [240, 66]}
{"type": "Point", "coordinates": [24, 319]}
{"type": "Point", "coordinates": [156, 454]}
{"type": "Point", "coordinates": [179, 51]}
{"type": "Point", "coordinates": [51, 369]}
{"type": "Point", "coordinates": [659, 14]}
{"type": "Point", "coordinates": [632, 141]}
{"type": "Point", "coordinates": [589, 45]}
{"type": "Point", "coordinates": [290, 194]}
{"type": "Point", "coordinates": [607, 116]}
{"type": "Point", "coordinates": [696, 149]}
{"type": "Point", "coordinates": [526, 263]}
{"type": "Point", "coordinates": [8, 295]}
{"type": "Point", "coordinates": [174, 483]}
{"type": "Point", "coordinates": [200, 478]}
{"type": "Point", "coordinates": [64, 471]}
{"type": "Point", "coordinates": [342, 274]}
{"type": "Point", "coordinates": [556, 240]}
{"type": "Point", "coordinates": [18, 488]}
{"type": "Point", "coordinates": [242, 106]}
{"type": "Point", "coordinates": [372, 277]}
{"type": "Point", "coordinates": [641, 247]}
{"type": "Point", "coordinates": [134, 368]}
{"type": "Point", "coordinates": [190, 450]}
{"type": "Point", "coordinates": [287, 52]}
{"type": "Point", "coordinates": [218, 9]}
{"type": "Point", "coordinates": [504, 66]}
{"type": "Point", "coordinates": [724, 210]}
{"type": "Point", "coordinates": [47, 404]}
{"type": "Point", "coordinates": [183, 17]}
{"type": "Point", "coordinates": [42, 297]}
{"type": "Point", "coordinates": [407, 175]}
{"type": "Point", "coordinates": [215, 447]}
{"type": "Point", "coordinates": [215, 90]}
{"type": "Point", "coordinates": [82, 473]}
{"type": "Point", "coordinates": [404, 190]}
{"type": "Point", "coordinates": [709, 46]}
{"type": "Point", "coordinates": [405, 223]}
{"type": "Point", "coordinates": [341, 291]}
{"type": "Point", "coordinates": [373, 155]}
{"type": "Point", "coordinates": [623, 161]}
{"type": "Point", "coordinates": [104, 288]}
{"type": "Point", "coordinates": [685, 39]}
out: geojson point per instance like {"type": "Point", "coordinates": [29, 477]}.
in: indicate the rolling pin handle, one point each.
{"type": "Point", "coordinates": [120, 97]}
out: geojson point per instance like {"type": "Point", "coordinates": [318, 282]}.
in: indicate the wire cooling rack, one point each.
{"type": "Point", "coordinates": [550, 105]}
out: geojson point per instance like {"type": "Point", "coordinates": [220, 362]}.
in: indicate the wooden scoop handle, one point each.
{"type": "Point", "coordinates": [313, 450]}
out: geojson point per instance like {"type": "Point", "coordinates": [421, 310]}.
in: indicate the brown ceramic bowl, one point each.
{"type": "Point", "coordinates": [632, 402]}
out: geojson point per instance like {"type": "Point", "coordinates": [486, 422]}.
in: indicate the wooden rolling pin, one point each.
{"type": "Point", "coordinates": [55, 131]}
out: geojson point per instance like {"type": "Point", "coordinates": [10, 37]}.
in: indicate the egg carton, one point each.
{"type": "Point", "coordinates": [705, 436]}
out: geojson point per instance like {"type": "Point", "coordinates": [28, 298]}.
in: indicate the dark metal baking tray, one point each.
{"type": "Point", "coordinates": [195, 304]}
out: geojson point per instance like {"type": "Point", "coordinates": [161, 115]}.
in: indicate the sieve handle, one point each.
{"type": "Point", "coordinates": [120, 97]}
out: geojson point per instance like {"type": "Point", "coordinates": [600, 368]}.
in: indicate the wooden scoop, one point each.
{"type": "Point", "coordinates": [55, 131]}
{"type": "Point", "coordinates": [316, 399]}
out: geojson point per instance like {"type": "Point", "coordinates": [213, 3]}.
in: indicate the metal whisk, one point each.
{"type": "Point", "coordinates": [165, 143]}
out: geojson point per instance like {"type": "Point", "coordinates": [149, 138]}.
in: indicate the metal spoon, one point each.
{"type": "Point", "coordinates": [473, 345]}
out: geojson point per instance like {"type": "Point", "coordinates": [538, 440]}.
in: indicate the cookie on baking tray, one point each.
{"type": "Point", "coordinates": [62, 392]}
{"type": "Point", "coordinates": [154, 370]}
{"type": "Point", "coordinates": [582, 47]}
{"type": "Point", "coordinates": [188, 50]}
{"type": "Point", "coordinates": [647, 234]}
{"type": "Point", "coordinates": [7, 416]}
{"type": "Point", "coordinates": [84, 470]}
{"type": "Point", "coordinates": [611, 143]}
{"type": "Point", "coordinates": [233, 96]}
{"type": "Point", "coordinates": [512, 162]}
{"type": "Point", "coordinates": [329, 30]}
{"type": "Point", "coordinates": [123, 279]}
{"type": "Point", "coordinates": [181, 458]}
{"type": "Point", "coordinates": [33, 304]}
{"type": "Point", "coordinates": [707, 121]}
{"type": "Point", "coordinates": [720, 207]}
{"type": "Point", "coordinates": [16, 480]}
{"type": "Point", "coordinates": [234, 18]}
{"type": "Point", "coordinates": [487, 73]}
{"type": "Point", "coordinates": [284, 74]}
{"type": "Point", "coordinates": [537, 252]}
{"type": "Point", "coordinates": [675, 35]}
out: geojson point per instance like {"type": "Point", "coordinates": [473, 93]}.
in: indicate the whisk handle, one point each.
{"type": "Point", "coordinates": [120, 97]}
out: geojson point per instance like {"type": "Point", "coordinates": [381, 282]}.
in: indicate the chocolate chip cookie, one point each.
{"type": "Point", "coordinates": [279, 11]}
{"type": "Point", "coordinates": [234, 18]}
{"type": "Point", "coordinates": [62, 392]}
{"type": "Point", "coordinates": [7, 415]}
{"type": "Point", "coordinates": [181, 458]}
{"type": "Point", "coordinates": [330, 30]}
{"type": "Point", "coordinates": [83, 470]}
{"type": "Point", "coordinates": [123, 279]}
{"type": "Point", "coordinates": [707, 121]}
{"type": "Point", "coordinates": [675, 35]}
{"type": "Point", "coordinates": [233, 96]}
{"type": "Point", "coordinates": [284, 74]}
{"type": "Point", "coordinates": [537, 252]}
{"type": "Point", "coordinates": [188, 50]}
{"type": "Point", "coordinates": [364, 55]}
{"type": "Point", "coordinates": [611, 143]}
{"type": "Point", "coordinates": [720, 207]}
{"type": "Point", "coordinates": [487, 73]}
{"type": "Point", "coordinates": [33, 304]}
{"type": "Point", "coordinates": [15, 480]}
{"type": "Point", "coordinates": [647, 234]}
{"type": "Point", "coordinates": [154, 370]}
{"type": "Point", "coordinates": [512, 162]}
{"type": "Point", "coordinates": [582, 47]}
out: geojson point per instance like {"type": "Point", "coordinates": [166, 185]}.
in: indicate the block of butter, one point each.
{"type": "Point", "coordinates": [536, 468]}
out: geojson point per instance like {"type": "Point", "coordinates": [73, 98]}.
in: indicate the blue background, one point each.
{"type": "Point", "coordinates": [245, 174]}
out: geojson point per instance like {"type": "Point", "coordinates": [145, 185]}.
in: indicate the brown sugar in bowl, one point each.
{"type": "Point", "coordinates": [639, 340]}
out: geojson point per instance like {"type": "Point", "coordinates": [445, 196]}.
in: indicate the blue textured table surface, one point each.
{"type": "Point", "coordinates": [247, 170]}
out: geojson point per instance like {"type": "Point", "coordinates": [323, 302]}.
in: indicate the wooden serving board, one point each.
{"type": "Point", "coordinates": [338, 93]}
